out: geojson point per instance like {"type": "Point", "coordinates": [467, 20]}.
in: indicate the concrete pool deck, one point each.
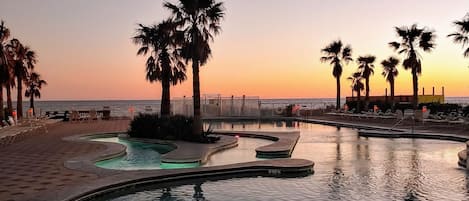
{"type": "Point", "coordinates": [33, 167]}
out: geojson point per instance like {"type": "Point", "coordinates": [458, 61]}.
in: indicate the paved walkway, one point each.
{"type": "Point", "coordinates": [34, 164]}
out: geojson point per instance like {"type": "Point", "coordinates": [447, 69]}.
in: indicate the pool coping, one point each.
{"type": "Point", "coordinates": [462, 155]}
{"type": "Point", "coordinates": [285, 141]}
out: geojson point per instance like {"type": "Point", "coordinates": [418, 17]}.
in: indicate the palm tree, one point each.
{"type": "Point", "coordinates": [365, 64]}
{"type": "Point", "coordinates": [23, 61]}
{"type": "Point", "coordinates": [335, 53]}
{"type": "Point", "coordinates": [4, 34]}
{"type": "Point", "coordinates": [390, 72]}
{"type": "Point", "coordinates": [164, 63]}
{"type": "Point", "coordinates": [358, 86]}
{"type": "Point", "coordinates": [200, 20]}
{"type": "Point", "coordinates": [9, 75]}
{"type": "Point", "coordinates": [462, 35]}
{"type": "Point", "coordinates": [34, 84]}
{"type": "Point", "coordinates": [411, 39]}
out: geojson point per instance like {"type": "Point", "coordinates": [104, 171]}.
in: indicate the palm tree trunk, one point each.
{"type": "Point", "coordinates": [358, 102]}
{"type": "Point", "coordinates": [2, 112]}
{"type": "Point", "coordinates": [337, 107]}
{"type": "Point", "coordinates": [392, 95]}
{"type": "Point", "coordinates": [9, 102]}
{"type": "Point", "coordinates": [197, 128]}
{"type": "Point", "coordinates": [367, 93]}
{"type": "Point", "coordinates": [165, 96]}
{"type": "Point", "coordinates": [416, 89]}
{"type": "Point", "coordinates": [31, 104]}
{"type": "Point", "coordinates": [19, 99]}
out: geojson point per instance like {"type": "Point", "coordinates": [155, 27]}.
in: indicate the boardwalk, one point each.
{"type": "Point", "coordinates": [34, 164]}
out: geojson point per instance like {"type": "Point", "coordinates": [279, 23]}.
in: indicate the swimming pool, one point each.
{"type": "Point", "coordinates": [347, 167]}
{"type": "Point", "coordinates": [145, 156]}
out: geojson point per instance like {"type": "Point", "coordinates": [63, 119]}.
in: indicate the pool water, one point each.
{"type": "Point", "coordinates": [347, 167]}
{"type": "Point", "coordinates": [138, 155]}
{"type": "Point", "coordinates": [144, 156]}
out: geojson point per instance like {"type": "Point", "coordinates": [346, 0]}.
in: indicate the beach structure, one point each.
{"type": "Point", "coordinates": [403, 99]}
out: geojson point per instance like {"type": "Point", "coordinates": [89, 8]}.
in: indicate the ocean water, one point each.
{"type": "Point", "coordinates": [121, 107]}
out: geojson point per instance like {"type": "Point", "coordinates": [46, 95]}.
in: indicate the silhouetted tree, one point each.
{"type": "Point", "coordinates": [200, 20]}
{"type": "Point", "coordinates": [23, 60]}
{"type": "Point", "coordinates": [164, 64]}
{"type": "Point", "coordinates": [10, 74]}
{"type": "Point", "coordinates": [365, 64]}
{"type": "Point", "coordinates": [335, 53]}
{"type": "Point", "coordinates": [34, 85]}
{"type": "Point", "coordinates": [462, 34]}
{"type": "Point", "coordinates": [390, 72]}
{"type": "Point", "coordinates": [357, 86]}
{"type": "Point", "coordinates": [412, 38]}
{"type": "Point", "coordinates": [4, 35]}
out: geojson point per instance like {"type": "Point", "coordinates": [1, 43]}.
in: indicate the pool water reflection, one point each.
{"type": "Point", "coordinates": [144, 156]}
{"type": "Point", "coordinates": [347, 167]}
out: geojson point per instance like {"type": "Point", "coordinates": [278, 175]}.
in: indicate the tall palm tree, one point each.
{"type": "Point", "coordinates": [34, 84]}
{"type": "Point", "coordinates": [335, 53]}
{"type": "Point", "coordinates": [390, 72]}
{"type": "Point", "coordinates": [365, 64]}
{"type": "Point", "coordinates": [357, 86]}
{"type": "Point", "coordinates": [23, 60]}
{"type": "Point", "coordinates": [164, 64]}
{"type": "Point", "coordinates": [9, 76]}
{"type": "Point", "coordinates": [462, 35]}
{"type": "Point", "coordinates": [412, 38]}
{"type": "Point", "coordinates": [4, 35]}
{"type": "Point", "coordinates": [200, 20]}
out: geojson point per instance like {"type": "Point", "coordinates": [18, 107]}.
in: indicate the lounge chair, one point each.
{"type": "Point", "coordinates": [93, 115]}
{"type": "Point", "coordinates": [74, 116]}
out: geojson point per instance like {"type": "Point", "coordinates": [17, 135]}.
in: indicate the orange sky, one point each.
{"type": "Point", "coordinates": [270, 50]}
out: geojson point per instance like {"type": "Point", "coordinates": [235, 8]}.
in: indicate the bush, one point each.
{"type": "Point", "coordinates": [176, 127]}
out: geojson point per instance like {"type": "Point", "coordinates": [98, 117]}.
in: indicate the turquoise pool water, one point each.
{"type": "Point", "coordinates": [144, 156]}
{"type": "Point", "coordinates": [347, 167]}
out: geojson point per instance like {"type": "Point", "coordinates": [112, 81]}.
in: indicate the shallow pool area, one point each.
{"type": "Point", "coordinates": [144, 156]}
{"type": "Point", "coordinates": [347, 167]}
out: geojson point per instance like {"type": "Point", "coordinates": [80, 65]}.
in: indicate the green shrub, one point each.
{"type": "Point", "coordinates": [176, 127]}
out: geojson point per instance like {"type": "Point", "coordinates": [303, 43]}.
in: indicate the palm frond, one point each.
{"type": "Point", "coordinates": [394, 45]}
{"type": "Point", "coordinates": [426, 41]}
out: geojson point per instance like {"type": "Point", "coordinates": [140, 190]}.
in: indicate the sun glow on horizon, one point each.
{"type": "Point", "coordinates": [85, 52]}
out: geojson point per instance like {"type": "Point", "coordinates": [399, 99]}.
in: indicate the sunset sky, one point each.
{"type": "Point", "coordinates": [268, 48]}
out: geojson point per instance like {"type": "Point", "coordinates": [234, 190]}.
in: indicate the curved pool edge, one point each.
{"type": "Point", "coordinates": [462, 155]}
{"type": "Point", "coordinates": [183, 152]}
{"type": "Point", "coordinates": [135, 179]}
{"type": "Point", "coordinates": [282, 147]}
{"type": "Point", "coordinates": [86, 162]}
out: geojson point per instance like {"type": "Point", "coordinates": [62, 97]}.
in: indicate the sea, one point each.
{"type": "Point", "coordinates": [122, 107]}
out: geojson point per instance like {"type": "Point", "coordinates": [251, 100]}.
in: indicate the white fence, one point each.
{"type": "Point", "coordinates": [243, 106]}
